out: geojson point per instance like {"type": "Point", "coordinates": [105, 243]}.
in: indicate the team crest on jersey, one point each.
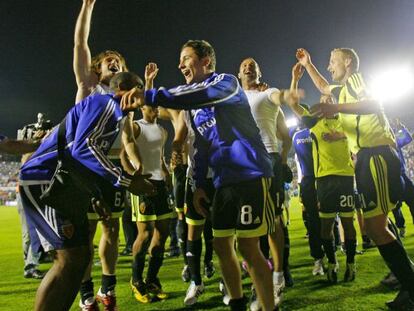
{"type": "Point", "coordinates": [68, 230]}
{"type": "Point", "coordinates": [142, 208]}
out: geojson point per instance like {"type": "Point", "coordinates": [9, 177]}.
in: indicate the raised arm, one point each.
{"type": "Point", "coordinates": [85, 77]}
{"type": "Point", "coordinates": [223, 88]}
{"type": "Point", "coordinates": [297, 73]}
{"type": "Point", "coordinates": [320, 82]}
{"type": "Point", "coordinates": [151, 71]}
{"type": "Point", "coordinates": [283, 135]}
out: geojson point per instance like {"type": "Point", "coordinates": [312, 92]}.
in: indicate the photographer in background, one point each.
{"type": "Point", "coordinates": [32, 133]}
{"type": "Point", "coordinates": [30, 130]}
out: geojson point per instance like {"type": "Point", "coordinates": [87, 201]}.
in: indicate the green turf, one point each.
{"type": "Point", "coordinates": [308, 293]}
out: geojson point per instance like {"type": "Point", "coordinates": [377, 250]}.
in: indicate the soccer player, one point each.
{"type": "Point", "coordinates": [178, 165]}
{"type": "Point", "coordinates": [90, 130]}
{"type": "Point", "coordinates": [265, 107]}
{"type": "Point", "coordinates": [228, 141]}
{"type": "Point", "coordinates": [92, 77]}
{"type": "Point", "coordinates": [197, 224]}
{"type": "Point", "coordinates": [377, 168]}
{"type": "Point", "coordinates": [302, 143]}
{"type": "Point", "coordinates": [153, 212]}
{"type": "Point", "coordinates": [334, 174]}
{"type": "Point", "coordinates": [403, 137]}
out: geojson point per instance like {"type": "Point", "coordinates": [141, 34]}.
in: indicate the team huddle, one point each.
{"type": "Point", "coordinates": [228, 169]}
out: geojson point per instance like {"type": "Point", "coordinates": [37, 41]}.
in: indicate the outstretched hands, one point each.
{"type": "Point", "coordinates": [324, 110]}
{"type": "Point", "coordinates": [140, 184]}
{"type": "Point", "coordinates": [292, 97]}
{"type": "Point", "coordinates": [297, 71]}
{"type": "Point", "coordinates": [151, 71]}
{"type": "Point", "coordinates": [132, 99]}
{"type": "Point", "coordinates": [303, 57]}
{"type": "Point", "coordinates": [89, 2]}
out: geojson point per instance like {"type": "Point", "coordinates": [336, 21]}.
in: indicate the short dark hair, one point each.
{"type": "Point", "coordinates": [125, 81]}
{"type": "Point", "coordinates": [203, 49]}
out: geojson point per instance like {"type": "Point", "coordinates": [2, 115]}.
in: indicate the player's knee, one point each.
{"type": "Point", "coordinates": [326, 233]}
{"type": "Point", "coordinates": [194, 232]}
{"type": "Point", "coordinates": [222, 247]}
{"type": "Point", "coordinates": [145, 235]}
{"type": "Point", "coordinates": [181, 232]}
{"type": "Point", "coordinates": [74, 259]}
{"type": "Point", "coordinates": [349, 230]}
{"type": "Point", "coordinates": [249, 249]}
{"type": "Point", "coordinates": [110, 228]}
{"type": "Point", "coordinates": [378, 234]}
{"type": "Point", "coordinates": [157, 251]}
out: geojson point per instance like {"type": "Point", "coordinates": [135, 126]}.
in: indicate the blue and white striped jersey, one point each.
{"type": "Point", "coordinates": [227, 137]}
{"type": "Point", "coordinates": [302, 143]}
{"type": "Point", "coordinates": [91, 128]}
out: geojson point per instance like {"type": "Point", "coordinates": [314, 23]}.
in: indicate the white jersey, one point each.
{"type": "Point", "coordinates": [265, 114]}
{"type": "Point", "coordinates": [117, 145]}
{"type": "Point", "coordinates": [151, 142]}
{"type": "Point", "coordinates": [101, 89]}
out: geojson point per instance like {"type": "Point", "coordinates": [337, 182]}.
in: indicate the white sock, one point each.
{"type": "Point", "coordinates": [278, 277]}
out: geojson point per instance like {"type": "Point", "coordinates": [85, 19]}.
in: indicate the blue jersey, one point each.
{"type": "Point", "coordinates": [403, 137]}
{"type": "Point", "coordinates": [302, 143]}
{"type": "Point", "coordinates": [91, 127]}
{"type": "Point", "coordinates": [227, 137]}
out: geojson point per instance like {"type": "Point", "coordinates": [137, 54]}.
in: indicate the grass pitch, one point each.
{"type": "Point", "coordinates": [308, 293]}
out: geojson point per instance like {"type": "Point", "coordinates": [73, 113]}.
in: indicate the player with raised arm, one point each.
{"type": "Point", "coordinates": [92, 77]}
{"type": "Point", "coordinates": [377, 169]}
{"type": "Point", "coordinates": [265, 107]}
{"type": "Point", "coordinates": [228, 141]}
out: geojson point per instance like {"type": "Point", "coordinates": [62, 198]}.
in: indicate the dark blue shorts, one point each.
{"type": "Point", "coordinates": [47, 227]}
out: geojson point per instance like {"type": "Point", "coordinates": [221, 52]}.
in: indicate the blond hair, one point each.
{"type": "Point", "coordinates": [352, 55]}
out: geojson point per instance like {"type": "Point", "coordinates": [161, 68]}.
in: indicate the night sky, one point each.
{"type": "Point", "coordinates": [37, 41]}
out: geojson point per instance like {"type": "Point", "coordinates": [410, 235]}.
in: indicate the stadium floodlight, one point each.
{"type": "Point", "coordinates": [291, 122]}
{"type": "Point", "coordinates": [392, 84]}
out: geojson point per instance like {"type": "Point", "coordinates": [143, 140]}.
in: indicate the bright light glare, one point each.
{"type": "Point", "coordinates": [392, 84]}
{"type": "Point", "coordinates": [291, 122]}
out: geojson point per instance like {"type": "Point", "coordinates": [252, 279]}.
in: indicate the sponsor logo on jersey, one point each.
{"type": "Point", "coordinates": [307, 140]}
{"type": "Point", "coordinates": [206, 125]}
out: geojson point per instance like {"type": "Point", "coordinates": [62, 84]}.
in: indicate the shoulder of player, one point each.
{"type": "Point", "coordinates": [355, 80]}
{"type": "Point", "coordinates": [100, 102]}
{"type": "Point", "coordinates": [227, 77]}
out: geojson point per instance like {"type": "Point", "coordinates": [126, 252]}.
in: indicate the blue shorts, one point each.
{"type": "Point", "coordinates": [47, 227]}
